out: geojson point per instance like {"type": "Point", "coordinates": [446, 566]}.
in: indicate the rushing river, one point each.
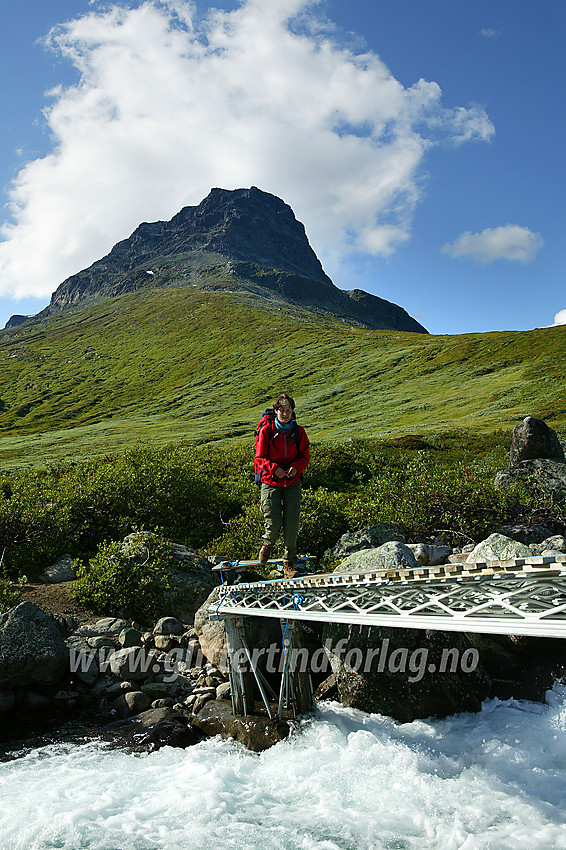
{"type": "Point", "coordinates": [344, 780]}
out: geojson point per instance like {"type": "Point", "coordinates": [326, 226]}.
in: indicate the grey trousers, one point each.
{"type": "Point", "coordinates": [280, 507]}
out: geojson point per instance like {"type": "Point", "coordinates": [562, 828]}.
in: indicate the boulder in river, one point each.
{"type": "Point", "coordinates": [254, 732]}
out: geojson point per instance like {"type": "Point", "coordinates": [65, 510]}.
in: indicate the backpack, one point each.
{"type": "Point", "coordinates": [268, 417]}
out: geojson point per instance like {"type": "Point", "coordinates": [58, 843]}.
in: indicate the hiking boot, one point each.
{"type": "Point", "coordinates": [289, 570]}
{"type": "Point", "coordinates": [264, 554]}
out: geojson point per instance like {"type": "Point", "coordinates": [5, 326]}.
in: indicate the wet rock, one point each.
{"type": "Point", "coordinates": [390, 556]}
{"type": "Point", "coordinates": [255, 733]}
{"type": "Point", "coordinates": [155, 728]}
{"type": "Point", "coordinates": [532, 438]}
{"type": "Point", "coordinates": [520, 667]}
{"type": "Point", "coordinates": [35, 701]}
{"type": "Point", "coordinates": [132, 702]}
{"type": "Point", "coordinates": [327, 688]}
{"type": "Point", "coordinates": [32, 650]}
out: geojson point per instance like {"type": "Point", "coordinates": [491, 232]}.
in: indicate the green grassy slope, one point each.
{"type": "Point", "coordinates": [181, 362]}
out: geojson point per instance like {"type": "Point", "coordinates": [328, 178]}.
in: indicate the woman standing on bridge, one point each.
{"type": "Point", "coordinates": [282, 455]}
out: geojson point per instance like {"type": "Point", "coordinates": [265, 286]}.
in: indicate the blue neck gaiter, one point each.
{"type": "Point", "coordinates": [283, 427]}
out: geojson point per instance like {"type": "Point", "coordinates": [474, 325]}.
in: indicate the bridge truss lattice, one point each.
{"type": "Point", "coordinates": [523, 596]}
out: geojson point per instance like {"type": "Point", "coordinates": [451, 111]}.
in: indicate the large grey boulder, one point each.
{"type": "Point", "coordinates": [405, 673]}
{"type": "Point", "coordinates": [260, 632]}
{"type": "Point", "coordinates": [537, 460]}
{"type": "Point", "coordinates": [32, 650]}
{"type": "Point", "coordinates": [133, 664]}
{"type": "Point", "coordinates": [498, 548]}
{"type": "Point", "coordinates": [190, 575]}
{"type": "Point", "coordinates": [532, 438]}
{"type": "Point", "coordinates": [61, 570]}
{"type": "Point", "coordinates": [211, 632]}
{"type": "Point", "coordinates": [556, 544]}
{"type": "Point", "coordinates": [366, 538]}
{"type": "Point", "coordinates": [390, 556]}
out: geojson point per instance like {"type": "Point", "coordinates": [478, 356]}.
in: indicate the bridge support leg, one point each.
{"type": "Point", "coordinates": [241, 680]}
{"type": "Point", "coordinates": [296, 683]}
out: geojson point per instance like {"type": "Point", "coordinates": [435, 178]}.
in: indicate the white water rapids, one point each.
{"type": "Point", "coordinates": [344, 780]}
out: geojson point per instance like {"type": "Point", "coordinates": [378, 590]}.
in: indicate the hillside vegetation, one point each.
{"type": "Point", "coordinates": [172, 363]}
{"type": "Point", "coordinates": [207, 498]}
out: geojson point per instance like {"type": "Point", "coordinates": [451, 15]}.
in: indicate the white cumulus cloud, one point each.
{"type": "Point", "coordinates": [510, 242]}
{"type": "Point", "coordinates": [560, 318]}
{"type": "Point", "coordinates": [170, 104]}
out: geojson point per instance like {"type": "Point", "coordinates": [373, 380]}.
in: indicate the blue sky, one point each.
{"type": "Point", "coordinates": [421, 143]}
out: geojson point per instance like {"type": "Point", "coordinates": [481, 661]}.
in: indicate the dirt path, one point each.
{"type": "Point", "coordinates": [55, 599]}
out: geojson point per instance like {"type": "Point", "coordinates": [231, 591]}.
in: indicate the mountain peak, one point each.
{"type": "Point", "coordinates": [253, 226]}
{"type": "Point", "coordinates": [237, 239]}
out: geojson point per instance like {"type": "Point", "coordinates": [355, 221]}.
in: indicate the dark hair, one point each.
{"type": "Point", "coordinates": [283, 400]}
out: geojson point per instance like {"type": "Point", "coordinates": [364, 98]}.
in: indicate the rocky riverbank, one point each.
{"type": "Point", "coordinates": [167, 683]}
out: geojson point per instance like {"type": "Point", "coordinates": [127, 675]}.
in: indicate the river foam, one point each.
{"type": "Point", "coordinates": [344, 781]}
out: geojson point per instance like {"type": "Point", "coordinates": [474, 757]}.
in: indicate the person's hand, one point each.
{"type": "Point", "coordinates": [280, 472]}
{"type": "Point", "coordinates": [291, 472]}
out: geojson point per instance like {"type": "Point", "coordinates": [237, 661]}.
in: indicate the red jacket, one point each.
{"type": "Point", "coordinates": [275, 449]}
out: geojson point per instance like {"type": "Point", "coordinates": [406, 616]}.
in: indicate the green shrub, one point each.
{"type": "Point", "coordinates": [242, 535]}
{"type": "Point", "coordinates": [427, 498]}
{"type": "Point", "coordinates": [205, 497]}
{"type": "Point", "coordinates": [9, 596]}
{"type": "Point", "coordinates": [128, 580]}
{"type": "Point", "coordinates": [337, 467]}
{"type": "Point", "coordinates": [323, 521]}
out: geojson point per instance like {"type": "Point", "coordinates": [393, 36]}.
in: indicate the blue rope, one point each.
{"type": "Point", "coordinates": [297, 601]}
{"type": "Point", "coordinates": [284, 633]}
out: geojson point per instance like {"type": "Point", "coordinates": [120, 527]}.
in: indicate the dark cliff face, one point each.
{"type": "Point", "coordinates": [246, 238]}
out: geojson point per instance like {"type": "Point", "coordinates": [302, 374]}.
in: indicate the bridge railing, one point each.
{"type": "Point", "coordinates": [525, 596]}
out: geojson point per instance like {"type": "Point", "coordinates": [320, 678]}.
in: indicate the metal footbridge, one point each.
{"type": "Point", "coordinates": [522, 596]}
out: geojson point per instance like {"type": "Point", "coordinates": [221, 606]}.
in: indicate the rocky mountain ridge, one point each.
{"type": "Point", "coordinates": [242, 240]}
